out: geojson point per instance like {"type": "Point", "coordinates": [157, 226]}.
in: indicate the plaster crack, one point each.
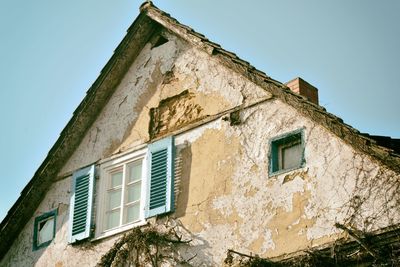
{"type": "Point", "coordinates": [123, 101]}
{"type": "Point", "coordinates": [198, 204]}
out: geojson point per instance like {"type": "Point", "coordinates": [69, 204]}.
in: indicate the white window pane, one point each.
{"type": "Point", "coordinates": [132, 213]}
{"type": "Point", "coordinates": [113, 219]}
{"type": "Point", "coordinates": [116, 179]}
{"type": "Point", "coordinates": [291, 156]}
{"type": "Point", "coordinates": [114, 199]}
{"type": "Point", "coordinates": [134, 171]}
{"type": "Point", "coordinates": [45, 230]}
{"type": "Point", "coordinates": [133, 192]}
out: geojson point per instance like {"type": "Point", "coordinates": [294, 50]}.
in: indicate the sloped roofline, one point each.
{"type": "Point", "coordinates": [149, 22]}
{"type": "Point", "coordinates": [361, 142]}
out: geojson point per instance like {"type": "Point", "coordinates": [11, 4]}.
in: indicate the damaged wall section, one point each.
{"type": "Point", "coordinates": [224, 191]}
{"type": "Point", "coordinates": [174, 112]}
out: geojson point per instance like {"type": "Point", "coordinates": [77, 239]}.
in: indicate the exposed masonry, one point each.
{"type": "Point", "coordinates": [172, 113]}
{"type": "Point", "coordinates": [316, 112]}
{"type": "Point", "coordinates": [223, 165]}
{"type": "Point", "coordinates": [226, 90]}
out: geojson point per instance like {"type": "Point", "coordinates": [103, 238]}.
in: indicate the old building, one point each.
{"type": "Point", "coordinates": [182, 137]}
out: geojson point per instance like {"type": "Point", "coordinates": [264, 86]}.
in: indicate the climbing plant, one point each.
{"type": "Point", "coordinates": [145, 247]}
{"type": "Point", "coordinates": [378, 250]}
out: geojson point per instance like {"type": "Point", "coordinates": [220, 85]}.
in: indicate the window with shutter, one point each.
{"type": "Point", "coordinates": [81, 204]}
{"type": "Point", "coordinates": [160, 175]}
{"type": "Point", "coordinates": [134, 186]}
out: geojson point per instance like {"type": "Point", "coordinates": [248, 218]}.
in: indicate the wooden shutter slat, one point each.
{"type": "Point", "coordinates": [160, 175]}
{"type": "Point", "coordinates": [81, 204]}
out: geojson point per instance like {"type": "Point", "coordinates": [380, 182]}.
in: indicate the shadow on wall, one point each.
{"type": "Point", "coordinates": [183, 162]}
{"type": "Point", "coordinates": [197, 250]}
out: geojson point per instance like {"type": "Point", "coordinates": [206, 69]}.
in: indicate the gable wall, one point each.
{"type": "Point", "coordinates": [225, 198]}
{"type": "Point", "coordinates": [296, 210]}
{"type": "Point", "coordinates": [124, 122]}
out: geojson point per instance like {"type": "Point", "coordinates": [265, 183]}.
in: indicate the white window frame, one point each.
{"type": "Point", "coordinates": [106, 169]}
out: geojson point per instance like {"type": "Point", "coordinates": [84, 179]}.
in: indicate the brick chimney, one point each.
{"type": "Point", "coordinates": [301, 87]}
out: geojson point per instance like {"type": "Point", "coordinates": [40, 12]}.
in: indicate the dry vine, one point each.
{"type": "Point", "coordinates": [145, 247]}
{"type": "Point", "coordinates": [365, 250]}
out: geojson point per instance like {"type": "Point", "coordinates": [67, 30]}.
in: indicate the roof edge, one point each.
{"type": "Point", "coordinates": [145, 5]}
{"type": "Point", "coordinates": [317, 113]}
{"type": "Point", "coordinates": [84, 115]}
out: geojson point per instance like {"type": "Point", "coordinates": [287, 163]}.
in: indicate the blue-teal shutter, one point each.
{"type": "Point", "coordinates": [160, 192]}
{"type": "Point", "coordinates": [80, 210]}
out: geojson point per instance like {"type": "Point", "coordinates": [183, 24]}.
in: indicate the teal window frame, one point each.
{"type": "Point", "coordinates": [167, 203]}
{"type": "Point", "coordinates": [39, 219]}
{"type": "Point", "coordinates": [83, 222]}
{"type": "Point", "coordinates": [275, 146]}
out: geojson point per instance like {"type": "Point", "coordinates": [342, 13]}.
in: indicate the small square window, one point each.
{"type": "Point", "coordinates": [44, 229]}
{"type": "Point", "coordinates": [287, 152]}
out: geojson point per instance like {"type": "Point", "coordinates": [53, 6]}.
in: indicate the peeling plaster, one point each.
{"type": "Point", "coordinates": [225, 192]}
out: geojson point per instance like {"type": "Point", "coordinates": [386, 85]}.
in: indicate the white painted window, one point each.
{"type": "Point", "coordinates": [135, 186]}
{"type": "Point", "coordinates": [121, 193]}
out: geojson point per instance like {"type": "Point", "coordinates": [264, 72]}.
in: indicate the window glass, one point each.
{"type": "Point", "coordinates": [135, 171]}
{"type": "Point", "coordinates": [134, 192]}
{"type": "Point", "coordinates": [123, 195]}
{"type": "Point", "coordinates": [286, 152]}
{"type": "Point", "coordinates": [116, 179]}
{"type": "Point", "coordinates": [45, 230]}
{"type": "Point", "coordinates": [114, 199]}
{"type": "Point", "coordinates": [113, 219]}
{"type": "Point", "coordinates": [291, 156]}
{"type": "Point", "coordinates": [114, 194]}
{"type": "Point", "coordinates": [132, 213]}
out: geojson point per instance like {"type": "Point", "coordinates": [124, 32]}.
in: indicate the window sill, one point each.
{"type": "Point", "coordinates": [119, 230]}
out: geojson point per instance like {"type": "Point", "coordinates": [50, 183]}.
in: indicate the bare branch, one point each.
{"type": "Point", "coordinates": [357, 239]}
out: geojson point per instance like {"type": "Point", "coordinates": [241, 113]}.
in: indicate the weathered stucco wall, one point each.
{"type": "Point", "coordinates": [157, 74]}
{"type": "Point", "coordinates": [58, 253]}
{"type": "Point", "coordinates": [226, 199]}
{"type": "Point", "coordinates": [270, 216]}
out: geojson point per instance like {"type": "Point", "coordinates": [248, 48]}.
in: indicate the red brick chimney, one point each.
{"type": "Point", "coordinates": [301, 87]}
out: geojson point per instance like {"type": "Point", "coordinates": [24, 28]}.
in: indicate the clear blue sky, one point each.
{"type": "Point", "coordinates": [52, 51]}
